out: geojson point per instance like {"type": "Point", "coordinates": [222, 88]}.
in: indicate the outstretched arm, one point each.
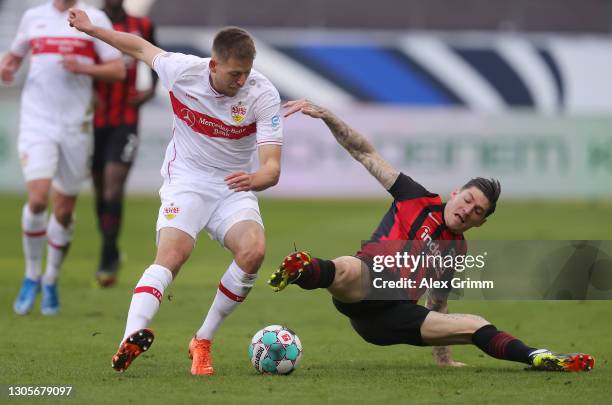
{"type": "Point", "coordinates": [127, 43]}
{"type": "Point", "coordinates": [355, 143]}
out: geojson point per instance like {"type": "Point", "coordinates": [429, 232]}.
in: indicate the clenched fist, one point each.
{"type": "Point", "coordinates": [79, 20]}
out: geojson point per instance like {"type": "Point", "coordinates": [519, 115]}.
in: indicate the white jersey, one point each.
{"type": "Point", "coordinates": [214, 134]}
{"type": "Point", "coordinates": [53, 98]}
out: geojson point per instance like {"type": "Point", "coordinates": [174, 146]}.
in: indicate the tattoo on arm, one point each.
{"type": "Point", "coordinates": [441, 354]}
{"type": "Point", "coordinates": [362, 150]}
{"type": "Point", "coordinates": [436, 304]}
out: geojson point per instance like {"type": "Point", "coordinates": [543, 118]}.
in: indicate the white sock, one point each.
{"type": "Point", "coordinates": [147, 298]}
{"type": "Point", "coordinates": [34, 228]}
{"type": "Point", "coordinates": [58, 241]}
{"type": "Point", "coordinates": [233, 289]}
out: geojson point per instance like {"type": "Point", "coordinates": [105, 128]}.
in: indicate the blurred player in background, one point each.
{"type": "Point", "coordinates": [223, 112]}
{"type": "Point", "coordinates": [419, 216]}
{"type": "Point", "coordinates": [55, 133]}
{"type": "Point", "coordinates": [116, 140]}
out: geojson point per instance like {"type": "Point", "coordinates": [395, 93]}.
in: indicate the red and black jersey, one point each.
{"type": "Point", "coordinates": [113, 107]}
{"type": "Point", "coordinates": [414, 224]}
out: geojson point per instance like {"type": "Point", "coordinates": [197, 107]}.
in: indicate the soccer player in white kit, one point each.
{"type": "Point", "coordinates": [223, 112]}
{"type": "Point", "coordinates": [55, 138]}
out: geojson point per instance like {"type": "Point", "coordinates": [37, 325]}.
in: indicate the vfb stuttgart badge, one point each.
{"type": "Point", "coordinates": [239, 112]}
{"type": "Point", "coordinates": [171, 211]}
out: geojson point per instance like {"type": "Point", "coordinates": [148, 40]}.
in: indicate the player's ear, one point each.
{"type": "Point", "coordinates": [213, 65]}
{"type": "Point", "coordinates": [454, 193]}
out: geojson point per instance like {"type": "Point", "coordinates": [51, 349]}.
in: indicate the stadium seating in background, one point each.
{"type": "Point", "coordinates": [591, 16]}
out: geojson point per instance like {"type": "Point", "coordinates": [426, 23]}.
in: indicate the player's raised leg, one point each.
{"type": "Point", "coordinates": [451, 329]}
{"type": "Point", "coordinates": [246, 241]}
{"type": "Point", "coordinates": [345, 277]}
{"type": "Point", "coordinates": [34, 228]}
{"type": "Point", "coordinates": [174, 248]}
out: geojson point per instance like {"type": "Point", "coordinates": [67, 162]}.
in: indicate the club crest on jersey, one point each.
{"type": "Point", "coordinates": [170, 212]}
{"type": "Point", "coordinates": [239, 112]}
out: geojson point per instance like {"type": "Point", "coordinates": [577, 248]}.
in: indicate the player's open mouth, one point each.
{"type": "Point", "coordinates": [460, 218]}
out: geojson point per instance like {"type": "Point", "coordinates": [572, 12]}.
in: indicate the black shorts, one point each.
{"type": "Point", "coordinates": [114, 144]}
{"type": "Point", "coordinates": [385, 323]}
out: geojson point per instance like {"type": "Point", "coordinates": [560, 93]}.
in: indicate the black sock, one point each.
{"type": "Point", "coordinates": [99, 211]}
{"type": "Point", "coordinates": [110, 224]}
{"type": "Point", "coordinates": [319, 273]}
{"type": "Point", "coordinates": [501, 345]}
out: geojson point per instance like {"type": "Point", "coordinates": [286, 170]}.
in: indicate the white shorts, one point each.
{"type": "Point", "coordinates": [213, 207]}
{"type": "Point", "coordinates": [65, 159]}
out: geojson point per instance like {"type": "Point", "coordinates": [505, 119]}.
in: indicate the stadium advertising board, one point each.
{"type": "Point", "coordinates": [534, 156]}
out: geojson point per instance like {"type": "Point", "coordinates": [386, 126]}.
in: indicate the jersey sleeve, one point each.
{"type": "Point", "coordinates": [268, 118]}
{"type": "Point", "coordinates": [104, 51]}
{"type": "Point", "coordinates": [170, 66]}
{"type": "Point", "coordinates": [21, 44]}
{"type": "Point", "coordinates": [405, 188]}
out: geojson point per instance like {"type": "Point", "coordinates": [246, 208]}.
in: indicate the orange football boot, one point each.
{"type": "Point", "coordinates": [199, 353]}
{"type": "Point", "coordinates": [138, 342]}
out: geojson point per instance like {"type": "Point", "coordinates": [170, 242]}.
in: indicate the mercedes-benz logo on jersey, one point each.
{"type": "Point", "coordinates": [188, 116]}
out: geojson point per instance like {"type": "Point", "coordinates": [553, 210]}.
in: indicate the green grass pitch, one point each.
{"type": "Point", "coordinates": [75, 348]}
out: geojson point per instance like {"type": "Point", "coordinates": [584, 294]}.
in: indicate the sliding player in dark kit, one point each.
{"type": "Point", "coordinates": [419, 217]}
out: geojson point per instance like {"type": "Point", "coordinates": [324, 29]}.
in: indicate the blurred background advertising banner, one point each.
{"type": "Point", "coordinates": [520, 91]}
{"type": "Point", "coordinates": [534, 156]}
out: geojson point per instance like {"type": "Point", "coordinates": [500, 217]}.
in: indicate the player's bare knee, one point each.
{"type": "Point", "coordinates": [479, 322]}
{"type": "Point", "coordinates": [347, 281]}
{"type": "Point", "coordinates": [63, 215]}
{"type": "Point", "coordinates": [172, 259]}
{"type": "Point", "coordinates": [37, 204]}
{"type": "Point", "coordinates": [250, 258]}
{"type": "Point", "coordinates": [473, 323]}
{"type": "Point", "coordinates": [343, 271]}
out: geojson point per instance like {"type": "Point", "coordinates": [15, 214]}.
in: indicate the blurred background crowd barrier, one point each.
{"type": "Point", "coordinates": [447, 89]}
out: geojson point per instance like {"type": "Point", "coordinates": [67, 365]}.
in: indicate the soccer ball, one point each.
{"type": "Point", "coordinates": [275, 349]}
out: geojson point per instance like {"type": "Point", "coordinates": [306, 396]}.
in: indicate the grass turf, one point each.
{"type": "Point", "coordinates": [75, 348]}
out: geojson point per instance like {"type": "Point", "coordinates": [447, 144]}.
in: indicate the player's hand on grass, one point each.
{"type": "Point", "coordinates": [442, 355]}
{"type": "Point", "coordinates": [79, 20]}
{"type": "Point", "coordinates": [305, 106]}
{"type": "Point", "coordinates": [239, 181]}
{"type": "Point", "coordinates": [452, 363]}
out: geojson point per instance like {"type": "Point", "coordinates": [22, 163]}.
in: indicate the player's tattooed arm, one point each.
{"type": "Point", "coordinates": [355, 143]}
{"type": "Point", "coordinates": [442, 355]}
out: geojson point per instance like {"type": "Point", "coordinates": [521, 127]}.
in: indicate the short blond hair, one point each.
{"type": "Point", "coordinates": [234, 42]}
